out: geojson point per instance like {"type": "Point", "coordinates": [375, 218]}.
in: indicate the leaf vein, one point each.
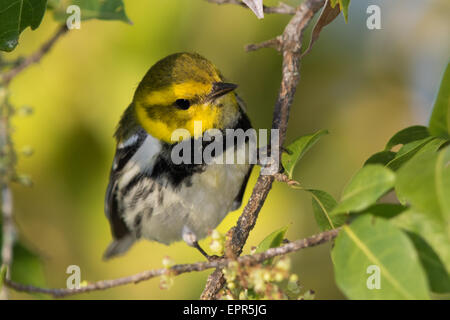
{"type": "Point", "coordinates": [374, 259]}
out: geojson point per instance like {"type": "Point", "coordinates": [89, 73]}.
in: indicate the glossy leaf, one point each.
{"type": "Point", "coordinates": [433, 146]}
{"type": "Point", "coordinates": [92, 9]}
{"type": "Point", "coordinates": [273, 240]}
{"type": "Point", "coordinates": [435, 234]}
{"type": "Point", "coordinates": [407, 152]}
{"type": "Point", "coordinates": [437, 274]}
{"type": "Point", "coordinates": [323, 203]}
{"type": "Point", "coordinates": [424, 182]}
{"type": "Point", "coordinates": [440, 118]}
{"type": "Point", "coordinates": [382, 158]}
{"type": "Point", "coordinates": [385, 210]}
{"type": "Point", "coordinates": [16, 16]}
{"type": "Point", "coordinates": [370, 244]}
{"type": "Point", "coordinates": [369, 183]}
{"type": "Point", "coordinates": [343, 5]}
{"type": "Point", "coordinates": [297, 149]}
{"type": "Point", "coordinates": [407, 135]}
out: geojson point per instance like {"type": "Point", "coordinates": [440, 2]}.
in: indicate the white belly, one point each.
{"type": "Point", "coordinates": [156, 210]}
{"type": "Point", "coordinates": [200, 207]}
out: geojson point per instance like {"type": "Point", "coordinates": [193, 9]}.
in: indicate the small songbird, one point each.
{"type": "Point", "coordinates": [151, 197]}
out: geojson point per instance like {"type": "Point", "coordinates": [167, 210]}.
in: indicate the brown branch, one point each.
{"type": "Point", "coordinates": [282, 8]}
{"type": "Point", "coordinates": [247, 260]}
{"type": "Point", "coordinates": [274, 43]}
{"type": "Point", "coordinates": [290, 46]}
{"type": "Point", "coordinates": [281, 177]}
{"type": "Point", "coordinates": [35, 57]}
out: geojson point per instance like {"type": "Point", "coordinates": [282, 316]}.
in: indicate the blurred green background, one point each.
{"type": "Point", "coordinates": [359, 84]}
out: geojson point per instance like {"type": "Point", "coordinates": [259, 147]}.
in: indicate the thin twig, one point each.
{"type": "Point", "coordinates": [282, 8]}
{"type": "Point", "coordinates": [290, 46]}
{"type": "Point", "coordinates": [7, 172]}
{"type": "Point", "coordinates": [274, 43]}
{"type": "Point", "coordinates": [35, 57]}
{"type": "Point", "coordinates": [8, 156]}
{"type": "Point", "coordinates": [281, 177]}
{"type": "Point", "coordinates": [9, 234]}
{"type": "Point", "coordinates": [8, 228]}
{"type": "Point", "coordinates": [247, 260]}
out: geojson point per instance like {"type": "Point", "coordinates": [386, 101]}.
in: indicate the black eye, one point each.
{"type": "Point", "coordinates": [183, 104]}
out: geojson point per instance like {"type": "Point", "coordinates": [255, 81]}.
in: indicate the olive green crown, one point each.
{"type": "Point", "coordinates": [177, 68]}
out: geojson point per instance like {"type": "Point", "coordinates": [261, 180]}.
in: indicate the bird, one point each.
{"type": "Point", "coordinates": [151, 197]}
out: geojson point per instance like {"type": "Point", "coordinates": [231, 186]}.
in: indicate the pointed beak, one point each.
{"type": "Point", "coordinates": [221, 88]}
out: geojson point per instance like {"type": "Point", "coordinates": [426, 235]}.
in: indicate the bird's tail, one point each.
{"type": "Point", "coordinates": [119, 247]}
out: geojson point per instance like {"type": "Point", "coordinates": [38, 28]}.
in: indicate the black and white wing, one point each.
{"type": "Point", "coordinates": [122, 236]}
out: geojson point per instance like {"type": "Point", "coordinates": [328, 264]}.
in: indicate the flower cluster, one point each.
{"type": "Point", "coordinates": [166, 280]}
{"type": "Point", "coordinates": [217, 243]}
{"type": "Point", "coordinates": [263, 281]}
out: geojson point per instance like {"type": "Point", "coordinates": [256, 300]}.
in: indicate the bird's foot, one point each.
{"type": "Point", "coordinates": [191, 240]}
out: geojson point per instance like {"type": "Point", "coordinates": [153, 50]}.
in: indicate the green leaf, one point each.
{"type": "Point", "coordinates": [323, 204]}
{"type": "Point", "coordinates": [273, 240]}
{"type": "Point", "coordinates": [382, 157]}
{"type": "Point", "coordinates": [433, 146]}
{"type": "Point", "coordinates": [343, 4]}
{"type": "Point", "coordinates": [297, 149]}
{"type": "Point", "coordinates": [344, 8]}
{"type": "Point", "coordinates": [407, 152]}
{"type": "Point", "coordinates": [439, 122]}
{"type": "Point", "coordinates": [92, 9]}
{"type": "Point", "coordinates": [436, 235]}
{"type": "Point", "coordinates": [424, 181]}
{"type": "Point", "coordinates": [27, 267]}
{"type": "Point", "coordinates": [408, 135]}
{"type": "Point", "coordinates": [16, 16]}
{"type": "Point", "coordinates": [438, 277]}
{"type": "Point", "coordinates": [371, 242]}
{"type": "Point", "coordinates": [369, 183]}
{"type": "Point", "coordinates": [385, 210]}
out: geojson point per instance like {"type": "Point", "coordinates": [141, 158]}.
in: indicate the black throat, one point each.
{"type": "Point", "coordinates": [177, 174]}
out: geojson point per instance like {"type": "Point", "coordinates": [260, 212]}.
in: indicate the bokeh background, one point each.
{"type": "Point", "coordinates": [359, 84]}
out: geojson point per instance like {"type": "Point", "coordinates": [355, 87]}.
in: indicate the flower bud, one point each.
{"type": "Point", "coordinates": [167, 262]}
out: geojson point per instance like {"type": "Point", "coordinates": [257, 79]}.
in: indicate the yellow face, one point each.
{"type": "Point", "coordinates": [177, 93]}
